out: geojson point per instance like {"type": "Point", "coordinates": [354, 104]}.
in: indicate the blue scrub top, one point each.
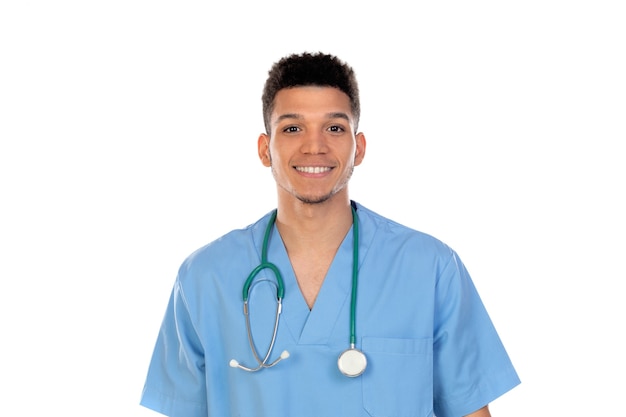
{"type": "Point", "coordinates": [430, 344]}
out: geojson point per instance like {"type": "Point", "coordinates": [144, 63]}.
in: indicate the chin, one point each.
{"type": "Point", "coordinates": [314, 199]}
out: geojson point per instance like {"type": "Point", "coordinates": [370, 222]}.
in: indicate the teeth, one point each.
{"type": "Point", "coordinates": [313, 170]}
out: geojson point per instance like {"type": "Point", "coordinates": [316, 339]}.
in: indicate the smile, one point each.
{"type": "Point", "coordinates": [313, 170]}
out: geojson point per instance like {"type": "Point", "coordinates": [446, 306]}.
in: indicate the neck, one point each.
{"type": "Point", "coordinates": [314, 226]}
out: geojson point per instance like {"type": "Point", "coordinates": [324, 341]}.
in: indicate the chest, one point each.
{"type": "Point", "coordinates": [310, 270]}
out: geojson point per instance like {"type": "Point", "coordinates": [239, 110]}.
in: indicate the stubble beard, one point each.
{"type": "Point", "coordinates": [315, 199]}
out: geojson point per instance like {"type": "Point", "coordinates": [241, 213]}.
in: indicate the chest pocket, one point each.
{"type": "Point", "coordinates": [398, 381]}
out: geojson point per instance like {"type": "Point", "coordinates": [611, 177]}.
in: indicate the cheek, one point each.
{"type": "Point", "coordinates": [275, 153]}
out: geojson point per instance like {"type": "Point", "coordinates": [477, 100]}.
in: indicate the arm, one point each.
{"type": "Point", "coordinates": [483, 412]}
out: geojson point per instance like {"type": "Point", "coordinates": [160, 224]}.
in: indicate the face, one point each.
{"type": "Point", "coordinates": [312, 148]}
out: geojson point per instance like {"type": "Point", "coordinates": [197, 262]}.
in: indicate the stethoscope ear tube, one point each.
{"type": "Point", "coordinates": [262, 362]}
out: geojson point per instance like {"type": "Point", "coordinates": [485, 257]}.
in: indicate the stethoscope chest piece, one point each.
{"type": "Point", "coordinates": [352, 362]}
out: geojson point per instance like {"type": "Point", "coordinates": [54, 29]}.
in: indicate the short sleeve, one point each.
{"type": "Point", "coordinates": [471, 365]}
{"type": "Point", "coordinates": [176, 384]}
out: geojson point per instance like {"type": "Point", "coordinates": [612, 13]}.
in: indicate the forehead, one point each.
{"type": "Point", "coordinates": [311, 100]}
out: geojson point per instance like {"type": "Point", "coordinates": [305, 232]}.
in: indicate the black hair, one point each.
{"type": "Point", "coordinates": [306, 69]}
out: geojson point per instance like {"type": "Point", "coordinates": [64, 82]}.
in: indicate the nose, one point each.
{"type": "Point", "coordinates": [314, 143]}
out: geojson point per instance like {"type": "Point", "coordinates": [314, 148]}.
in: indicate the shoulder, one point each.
{"type": "Point", "coordinates": [227, 249]}
{"type": "Point", "coordinates": [389, 232]}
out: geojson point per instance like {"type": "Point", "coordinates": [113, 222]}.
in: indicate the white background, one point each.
{"type": "Point", "coordinates": [128, 139]}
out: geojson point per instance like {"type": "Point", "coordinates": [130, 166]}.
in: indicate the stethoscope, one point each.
{"type": "Point", "coordinates": [351, 362]}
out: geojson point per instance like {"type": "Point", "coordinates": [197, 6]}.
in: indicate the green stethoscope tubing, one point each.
{"type": "Point", "coordinates": [280, 292]}
{"type": "Point", "coordinates": [355, 275]}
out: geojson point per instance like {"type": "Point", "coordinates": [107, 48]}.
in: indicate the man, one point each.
{"type": "Point", "coordinates": [376, 319]}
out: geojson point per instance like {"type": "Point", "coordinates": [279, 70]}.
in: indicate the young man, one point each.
{"type": "Point", "coordinates": [376, 319]}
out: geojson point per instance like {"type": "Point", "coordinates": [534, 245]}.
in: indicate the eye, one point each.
{"type": "Point", "coordinates": [336, 129]}
{"type": "Point", "coordinates": [291, 129]}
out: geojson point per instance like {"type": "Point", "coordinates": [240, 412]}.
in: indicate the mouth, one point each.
{"type": "Point", "coordinates": [313, 170]}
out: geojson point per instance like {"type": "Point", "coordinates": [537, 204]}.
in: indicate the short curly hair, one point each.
{"type": "Point", "coordinates": [306, 69]}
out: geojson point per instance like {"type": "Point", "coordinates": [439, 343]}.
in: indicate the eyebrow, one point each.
{"type": "Point", "coordinates": [332, 115]}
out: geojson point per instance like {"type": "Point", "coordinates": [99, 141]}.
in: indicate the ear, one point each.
{"type": "Point", "coordinates": [263, 145]}
{"type": "Point", "coordinates": [361, 144]}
